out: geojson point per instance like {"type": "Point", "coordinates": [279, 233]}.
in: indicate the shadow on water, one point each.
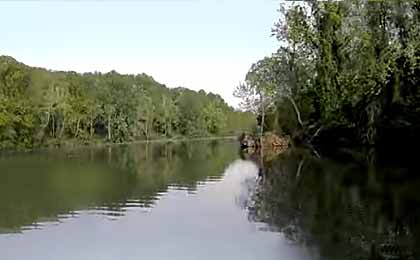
{"type": "Point", "coordinates": [347, 210]}
{"type": "Point", "coordinates": [42, 188]}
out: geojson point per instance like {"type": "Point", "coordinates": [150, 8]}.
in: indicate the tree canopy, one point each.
{"type": "Point", "coordinates": [39, 107]}
{"type": "Point", "coordinates": [343, 70]}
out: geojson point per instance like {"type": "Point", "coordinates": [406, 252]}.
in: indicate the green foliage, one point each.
{"type": "Point", "coordinates": [214, 118]}
{"type": "Point", "coordinates": [349, 67]}
{"type": "Point", "coordinates": [40, 108]}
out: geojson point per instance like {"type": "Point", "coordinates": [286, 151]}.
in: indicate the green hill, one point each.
{"type": "Point", "coordinates": [40, 107]}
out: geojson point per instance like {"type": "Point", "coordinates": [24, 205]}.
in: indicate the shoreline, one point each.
{"type": "Point", "coordinates": [75, 146]}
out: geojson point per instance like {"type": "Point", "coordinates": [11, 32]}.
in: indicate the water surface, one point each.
{"type": "Point", "coordinates": [205, 200]}
{"type": "Point", "coordinates": [156, 201]}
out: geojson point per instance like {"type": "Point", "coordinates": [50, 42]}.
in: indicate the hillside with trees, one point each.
{"type": "Point", "coordinates": [40, 108]}
{"type": "Point", "coordinates": [345, 73]}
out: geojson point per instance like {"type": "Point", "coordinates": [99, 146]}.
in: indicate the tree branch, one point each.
{"type": "Point", "coordinates": [299, 119]}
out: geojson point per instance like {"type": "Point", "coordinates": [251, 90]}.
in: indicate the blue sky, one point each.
{"type": "Point", "coordinates": [199, 44]}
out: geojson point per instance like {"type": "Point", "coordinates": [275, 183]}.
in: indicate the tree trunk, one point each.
{"type": "Point", "coordinates": [262, 133]}
{"type": "Point", "coordinates": [77, 128]}
{"type": "Point", "coordinates": [91, 127]}
{"type": "Point", "coordinates": [170, 127]}
{"type": "Point", "coordinates": [63, 126]}
{"type": "Point", "coordinates": [299, 119]}
{"type": "Point", "coordinates": [109, 128]}
{"type": "Point", "coordinates": [53, 126]}
{"type": "Point", "coordinates": [262, 115]}
{"type": "Point", "coordinates": [48, 121]}
{"type": "Point", "coordinates": [147, 129]}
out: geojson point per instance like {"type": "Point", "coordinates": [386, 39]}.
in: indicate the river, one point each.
{"type": "Point", "coordinates": [200, 200]}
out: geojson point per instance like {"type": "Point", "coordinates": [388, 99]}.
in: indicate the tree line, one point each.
{"type": "Point", "coordinates": [345, 72]}
{"type": "Point", "coordinates": [39, 108]}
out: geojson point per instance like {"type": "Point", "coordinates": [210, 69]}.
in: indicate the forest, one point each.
{"type": "Point", "coordinates": [44, 108]}
{"type": "Point", "coordinates": [346, 73]}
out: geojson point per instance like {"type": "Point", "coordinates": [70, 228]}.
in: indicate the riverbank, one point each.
{"type": "Point", "coordinates": [69, 145]}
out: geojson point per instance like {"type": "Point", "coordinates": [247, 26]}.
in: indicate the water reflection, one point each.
{"type": "Point", "coordinates": [49, 187]}
{"type": "Point", "coordinates": [179, 201]}
{"type": "Point", "coordinates": [198, 200]}
{"type": "Point", "coordinates": [347, 210]}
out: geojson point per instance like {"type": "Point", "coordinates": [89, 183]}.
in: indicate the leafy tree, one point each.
{"type": "Point", "coordinates": [42, 108]}
{"type": "Point", "coordinates": [345, 70]}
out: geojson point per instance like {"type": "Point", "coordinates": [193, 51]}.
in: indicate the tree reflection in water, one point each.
{"type": "Point", "coordinates": [50, 186]}
{"type": "Point", "coordinates": [346, 210]}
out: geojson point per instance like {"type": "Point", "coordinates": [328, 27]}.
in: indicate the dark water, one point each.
{"type": "Point", "coordinates": [346, 209]}
{"type": "Point", "coordinates": [202, 200]}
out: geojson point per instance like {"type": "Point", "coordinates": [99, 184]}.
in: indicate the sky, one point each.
{"type": "Point", "coordinates": [198, 44]}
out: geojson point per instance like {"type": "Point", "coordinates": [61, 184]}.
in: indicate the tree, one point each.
{"type": "Point", "coordinates": [40, 108]}
{"type": "Point", "coordinates": [214, 117]}
{"type": "Point", "coordinates": [348, 69]}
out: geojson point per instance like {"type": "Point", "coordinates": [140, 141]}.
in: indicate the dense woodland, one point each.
{"type": "Point", "coordinates": [346, 76]}
{"type": "Point", "coordinates": [41, 108]}
{"type": "Point", "coordinates": [345, 73]}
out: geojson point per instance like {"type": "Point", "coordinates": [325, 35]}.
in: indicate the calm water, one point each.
{"type": "Point", "coordinates": [201, 200]}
